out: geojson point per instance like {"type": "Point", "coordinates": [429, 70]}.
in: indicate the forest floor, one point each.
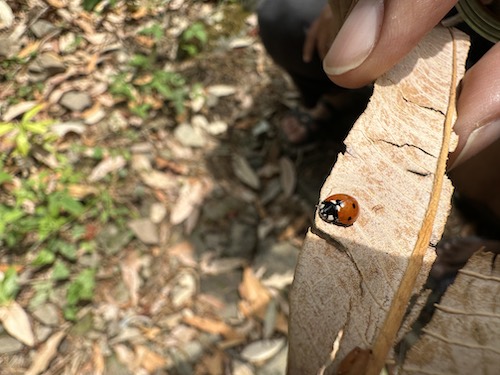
{"type": "Point", "coordinates": [151, 213]}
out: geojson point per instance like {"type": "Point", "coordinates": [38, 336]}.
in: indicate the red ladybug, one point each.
{"type": "Point", "coordinates": [339, 209]}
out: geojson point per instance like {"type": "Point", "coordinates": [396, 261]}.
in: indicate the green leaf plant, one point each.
{"type": "Point", "coordinates": [27, 132]}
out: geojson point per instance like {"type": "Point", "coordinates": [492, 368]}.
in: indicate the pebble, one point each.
{"type": "Point", "coordinates": [76, 101]}
{"type": "Point", "coordinates": [189, 136]}
{"type": "Point", "coordinates": [279, 259]}
{"type": "Point", "coordinates": [145, 230]}
{"type": "Point", "coordinates": [117, 121]}
{"type": "Point", "coordinates": [260, 351]}
{"type": "Point", "coordinates": [9, 344]}
{"type": "Point", "coordinates": [276, 365]}
{"type": "Point", "coordinates": [243, 240]}
{"type": "Point", "coordinates": [157, 212]}
{"type": "Point", "coordinates": [67, 42]}
{"type": "Point", "coordinates": [47, 314]}
{"type": "Point", "coordinates": [42, 333]}
{"type": "Point", "coordinates": [111, 239]}
{"type": "Point", "coordinates": [41, 28]}
{"type": "Point", "coordinates": [6, 15]}
{"type": "Point", "coordinates": [184, 289]}
{"type": "Point", "coordinates": [46, 65]}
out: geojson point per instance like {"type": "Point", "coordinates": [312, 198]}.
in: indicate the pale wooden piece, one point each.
{"type": "Point", "coordinates": [391, 156]}
{"type": "Point", "coordinates": [463, 336]}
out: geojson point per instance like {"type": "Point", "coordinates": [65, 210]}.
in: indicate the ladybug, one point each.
{"type": "Point", "coordinates": [339, 209]}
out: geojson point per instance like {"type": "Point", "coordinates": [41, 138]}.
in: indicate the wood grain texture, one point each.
{"type": "Point", "coordinates": [464, 335]}
{"type": "Point", "coordinates": [348, 281]}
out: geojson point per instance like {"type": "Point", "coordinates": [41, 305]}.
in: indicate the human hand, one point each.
{"type": "Point", "coordinates": [319, 36]}
{"type": "Point", "coordinates": [377, 34]}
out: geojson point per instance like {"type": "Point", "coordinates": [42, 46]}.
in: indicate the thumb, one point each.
{"type": "Point", "coordinates": [376, 35]}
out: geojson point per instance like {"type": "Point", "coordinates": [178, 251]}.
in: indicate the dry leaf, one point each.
{"type": "Point", "coordinates": [45, 354]}
{"type": "Point", "coordinates": [191, 196]}
{"type": "Point", "coordinates": [32, 47]}
{"type": "Point", "coordinates": [130, 268]}
{"type": "Point", "coordinates": [16, 322]}
{"type": "Point", "coordinates": [18, 109]}
{"type": "Point", "coordinates": [212, 326]}
{"type": "Point", "coordinates": [288, 177]}
{"type": "Point", "coordinates": [98, 362]}
{"type": "Point", "coordinates": [57, 3]}
{"type": "Point", "coordinates": [158, 180]}
{"type": "Point", "coordinates": [255, 295]}
{"type": "Point", "coordinates": [108, 165]}
{"type": "Point", "coordinates": [81, 191]}
{"type": "Point", "coordinates": [211, 364]}
{"type": "Point", "coordinates": [360, 278]}
{"type": "Point", "coordinates": [149, 360]}
{"type": "Point", "coordinates": [244, 171]}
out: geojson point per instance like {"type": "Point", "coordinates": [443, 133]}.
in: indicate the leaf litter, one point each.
{"type": "Point", "coordinates": [184, 295]}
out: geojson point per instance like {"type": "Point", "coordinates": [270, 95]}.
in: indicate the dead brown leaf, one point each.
{"type": "Point", "coordinates": [32, 47]}
{"type": "Point", "coordinates": [212, 326]}
{"type": "Point", "coordinates": [16, 322]}
{"type": "Point", "coordinates": [149, 360]}
{"type": "Point", "coordinates": [130, 267]}
{"type": "Point", "coordinates": [98, 359]}
{"type": "Point", "coordinates": [58, 3]}
{"type": "Point", "coordinates": [255, 295]}
{"type": "Point", "coordinates": [45, 354]}
{"type": "Point", "coordinates": [192, 195]}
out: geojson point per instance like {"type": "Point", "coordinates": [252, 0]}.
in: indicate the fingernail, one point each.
{"type": "Point", "coordinates": [356, 38]}
{"type": "Point", "coordinates": [478, 140]}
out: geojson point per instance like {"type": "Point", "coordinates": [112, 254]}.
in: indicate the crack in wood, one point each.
{"type": "Point", "coordinates": [423, 106]}
{"type": "Point", "coordinates": [406, 145]}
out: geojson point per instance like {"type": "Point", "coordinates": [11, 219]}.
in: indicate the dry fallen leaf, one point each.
{"type": "Point", "coordinates": [105, 167]}
{"type": "Point", "coordinates": [130, 268]}
{"type": "Point", "coordinates": [244, 171]}
{"type": "Point", "coordinates": [191, 196]}
{"type": "Point", "coordinates": [212, 326]}
{"type": "Point", "coordinates": [45, 354]}
{"type": "Point", "coordinates": [98, 359]}
{"type": "Point", "coordinates": [288, 177]}
{"type": "Point", "coordinates": [149, 360]}
{"type": "Point", "coordinates": [255, 295]}
{"type": "Point", "coordinates": [16, 322]}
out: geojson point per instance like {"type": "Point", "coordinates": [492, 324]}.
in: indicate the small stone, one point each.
{"type": "Point", "coordinates": [9, 344]}
{"type": "Point", "coordinates": [47, 314]}
{"type": "Point", "coordinates": [243, 240]}
{"type": "Point", "coordinates": [117, 121]}
{"type": "Point", "coordinates": [276, 365]}
{"type": "Point", "coordinates": [279, 259]}
{"type": "Point", "coordinates": [111, 239]}
{"type": "Point", "coordinates": [41, 28]}
{"type": "Point", "coordinates": [95, 117]}
{"type": "Point", "coordinates": [46, 65]}
{"type": "Point", "coordinates": [189, 136]}
{"type": "Point", "coordinates": [260, 351]}
{"type": "Point", "coordinates": [141, 148]}
{"type": "Point", "coordinates": [184, 289]}
{"type": "Point", "coordinates": [145, 230]}
{"type": "Point", "coordinates": [76, 101]}
{"type": "Point", "coordinates": [42, 333]}
{"type": "Point", "coordinates": [6, 15]}
{"type": "Point", "coordinates": [157, 212]}
{"type": "Point", "coordinates": [262, 127]}
{"type": "Point", "coordinates": [217, 127]}
{"type": "Point", "coordinates": [67, 43]}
